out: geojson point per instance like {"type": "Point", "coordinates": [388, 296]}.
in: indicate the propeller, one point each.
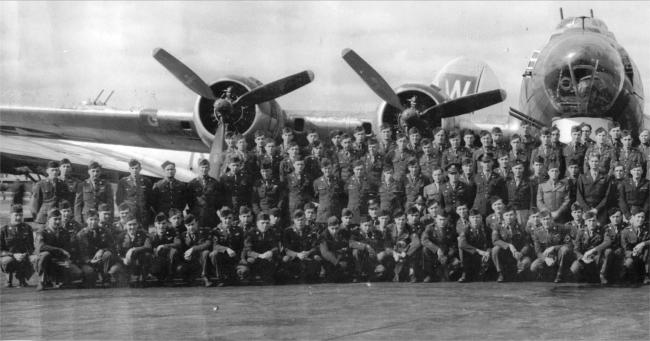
{"type": "Point", "coordinates": [183, 73]}
{"type": "Point", "coordinates": [217, 156]}
{"type": "Point", "coordinates": [451, 108]}
{"type": "Point", "coordinates": [275, 89]}
{"type": "Point", "coordinates": [372, 78]}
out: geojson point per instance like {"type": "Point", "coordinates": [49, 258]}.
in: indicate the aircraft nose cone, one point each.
{"type": "Point", "coordinates": [583, 75]}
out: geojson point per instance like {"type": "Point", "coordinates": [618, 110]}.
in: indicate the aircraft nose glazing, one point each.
{"type": "Point", "coordinates": [582, 76]}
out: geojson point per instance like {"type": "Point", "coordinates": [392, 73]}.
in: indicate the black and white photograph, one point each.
{"type": "Point", "coordinates": [324, 170]}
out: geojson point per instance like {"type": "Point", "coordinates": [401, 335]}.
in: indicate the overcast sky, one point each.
{"type": "Point", "coordinates": [55, 54]}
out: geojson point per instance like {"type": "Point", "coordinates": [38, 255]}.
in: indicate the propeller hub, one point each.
{"type": "Point", "coordinates": [222, 108]}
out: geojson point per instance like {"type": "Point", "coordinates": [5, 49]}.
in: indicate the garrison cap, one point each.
{"type": "Point", "coordinates": [332, 221]}
{"type": "Point", "coordinates": [103, 208]}
{"type": "Point", "coordinates": [123, 207]}
{"type": "Point", "coordinates": [539, 159]}
{"type": "Point", "coordinates": [573, 162]}
{"type": "Point", "coordinates": [244, 210]}
{"type": "Point", "coordinates": [94, 165]}
{"type": "Point", "coordinates": [52, 164]}
{"type": "Point", "coordinates": [174, 212]}
{"type": "Point", "coordinates": [134, 162]}
{"type": "Point", "coordinates": [190, 218]}
{"type": "Point", "coordinates": [518, 163]}
{"type": "Point", "coordinates": [553, 165]}
{"type": "Point", "coordinates": [412, 210]}
{"type": "Point", "coordinates": [453, 168]}
{"type": "Point", "coordinates": [364, 219]}
{"type": "Point", "coordinates": [91, 213]}
{"type": "Point", "coordinates": [167, 163]}
{"type": "Point", "coordinates": [65, 161]}
{"type": "Point", "coordinates": [65, 205]}
{"type": "Point", "coordinates": [131, 218]}
{"type": "Point", "coordinates": [16, 208]}
{"type": "Point", "coordinates": [204, 162]}
{"type": "Point", "coordinates": [160, 218]}
{"type": "Point", "coordinates": [53, 213]}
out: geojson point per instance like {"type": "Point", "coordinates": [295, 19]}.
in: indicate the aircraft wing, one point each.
{"type": "Point", "coordinates": [20, 151]}
{"type": "Point", "coordinates": [149, 128]}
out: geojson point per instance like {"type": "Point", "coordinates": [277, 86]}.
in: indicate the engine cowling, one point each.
{"type": "Point", "coordinates": [267, 116]}
{"type": "Point", "coordinates": [426, 96]}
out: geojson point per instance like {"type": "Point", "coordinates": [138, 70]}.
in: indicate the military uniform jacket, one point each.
{"type": "Point", "coordinates": [274, 160]}
{"type": "Point", "coordinates": [47, 194]}
{"type": "Point", "coordinates": [167, 238]}
{"type": "Point", "coordinates": [544, 238]}
{"type": "Point", "coordinates": [514, 235]}
{"type": "Point", "coordinates": [53, 241]}
{"type": "Point", "coordinates": [586, 240]}
{"type": "Point", "coordinates": [16, 239]}
{"type": "Point", "coordinates": [520, 195]}
{"type": "Point", "coordinates": [93, 240]}
{"type": "Point", "coordinates": [140, 239]}
{"type": "Point", "coordinates": [607, 155]}
{"type": "Point", "coordinates": [332, 248]}
{"type": "Point", "coordinates": [240, 186]}
{"type": "Point", "coordinates": [206, 196]}
{"type": "Point", "coordinates": [455, 194]}
{"type": "Point", "coordinates": [72, 226]}
{"type": "Point", "coordinates": [480, 151]}
{"type": "Point", "coordinates": [413, 186]}
{"type": "Point", "coordinates": [346, 159]}
{"type": "Point", "coordinates": [374, 238]}
{"type": "Point", "coordinates": [634, 195]}
{"type": "Point", "coordinates": [402, 241]}
{"type": "Point", "coordinates": [391, 195]}
{"type": "Point", "coordinates": [228, 237]}
{"type": "Point", "coordinates": [593, 193]}
{"type": "Point", "coordinates": [550, 155]}
{"type": "Point", "coordinates": [494, 221]}
{"type": "Point", "coordinates": [167, 194]}
{"type": "Point", "coordinates": [520, 155]}
{"type": "Point", "coordinates": [627, 158]}
{"type": "Point", "coordinates": [358, 190]}
{"type": "Point", "coordinates": [300, 190]}
{"type": "Point", "coordinates": [135, 191]}
{"type": "Point", "coordinates": [445, 238]}
{"type": "Point", "coordinates": [294, 242]}
{"type": "Point", "coordinates": [90, 195]}
{"type": "Point", "coordinates": [428, 162]}
{"type": "Point", "coordinates": [72, 184]}
{"type": "Point", "coordinates": [257, 242]}
{"type": "Point", "coordinates": [613, 234]}
{"type": "Point", "coordinates": [575, 150]}
{"type": "Point", "coordinates": [374, 165]}
{"type": "Point", "coordinates": [645, 150]}
{"type": "Point", "coordinates": [471, 238]}
{"type": "Point", "coordinates": [630, 236]}
{"type": "Point", "coordinates": [433, 191]}
{"type": "Point", "coordinates": [267, 194]}
{"type": "Point", "coordinates": [286, 168]}
{"type": "Point", "coordinates": [553, 197]}
{"type": "Point", "coordinates": [328, 192]}
{"type": "Point", "coordinates": [488, 186]}
{"type": "Point", "coordinates": [200, 240]}
{"type": "Point", "coordinates": [450, 156]}
{"type": "Point", "coordinates": [399, 159]}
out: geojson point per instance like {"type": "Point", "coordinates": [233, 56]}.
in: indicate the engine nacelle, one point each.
{"type": "Point", "coordinates": [267, 116]}
{"type": "Point", "coordinates": [426, 96]}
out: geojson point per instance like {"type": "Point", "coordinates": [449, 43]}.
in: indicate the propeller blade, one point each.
{"type": "Point", "coordinates": [465, 104]}
{"type": "Point", "coordinates": [216, 151]}
{"type": "Point", "coordinates": [372, 78]}
{"type": "Point", "coordinates": [275, 89]}
{"type": "Point", "coordinates": [183, 73]}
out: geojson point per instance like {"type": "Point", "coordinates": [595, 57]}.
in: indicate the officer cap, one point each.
{"type": "Point", "coordinates": [174, 212]}
{"type": "Point", "coordinates": [263, 216]}
{"type": "Point", "coordinates": [160, 218]}
{"type": "Point", "coordinates": [204, 162]}
{"type": "Point", "coordinates": [52, 164]}
{"type": "Point", "coordinates": [573, 162]}
{"type": "Point", "coordinates": [225, 211]}
{"type": "Point", "coordinates": [518, 163]}
{"type": "Point", "coordinates": [364, 219]}
{"type": "Point", "coordinates": [94, 165]}
{"type": "Point", "coordinates": [190, 218]}
{"type": "Point", "coordinates": [496, 130]}
{"type": "Point", "coordinates": [65, 161]}
{"type": "Point", "coordinates": [372, 203]}
{"type": "Point", "coordinates": [131, 218]}
{"type": "Point", "coordinates": [167, 163]}
{"type": "Point", "coordinates": [244, 210]}
{"type": "Point", "coordinates": [332, 221]}
{"type": "Point", "coordinates": [420, 200]}
{"type": "Point", "coordinates": [65, 205]}
{"type": "Point", "coordinates": [325, 163]}
{"type": "Point", "coordinates": [16, 208]}
{"type": "Point", "coordinates": [91, 213]}
{"type": "Point", "coordinates": [103, 208]}
{"type": "Point", "coordinates": [453, 168]}
{"type": "Point", "coordinates": [297, 214]}
{"type": "Point", "coordinates": [545, 131]}
{"type": "Point", "coordinates": [123, 207]}
{"type": "Point", "coordinates": [53, 213]}
{"type": "Point", "coordinates": [346, 212]}
{"type": "Point", "coordinates": [309, 206]}
{"type": "Point", "coordinates": [487, 157]}
{"type": "Point", "coordinates": [134, 163]}
{"type": "Point", "coordinates": [274, 212]}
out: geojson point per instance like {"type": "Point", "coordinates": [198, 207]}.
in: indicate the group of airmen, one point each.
{"type": "Point", "coordinates": [394, 207]}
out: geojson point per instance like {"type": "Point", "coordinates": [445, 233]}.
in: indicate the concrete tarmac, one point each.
{"type": "Point", "coordinates": [364, 311]}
